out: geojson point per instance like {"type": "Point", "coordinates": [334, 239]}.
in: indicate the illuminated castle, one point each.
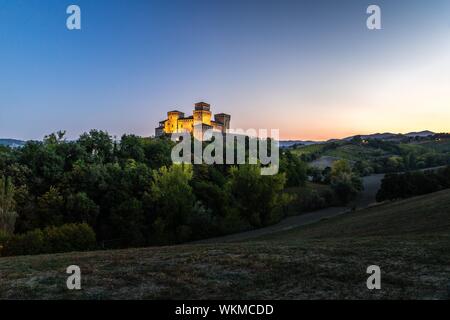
{"type": "Point", "coordinates": [200, 120]}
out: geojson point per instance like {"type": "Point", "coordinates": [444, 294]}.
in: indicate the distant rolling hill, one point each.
{"type": "Point", "coordinates": [11, 142]}
{"type": "Point", "coordinates": [394, 136]}
{"type": "Point", "coordinates": [291, 143]}
{"type": "Point", "coordinates": [408, 239]}
{"type": "Point", "coordinates": [425, 133]}
{"type": "Point", "coordinates": [380, 136]}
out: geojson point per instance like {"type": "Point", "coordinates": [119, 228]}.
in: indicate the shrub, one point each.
{"type": "Point", "coordinates": [306, 199]}
{"type": "Point", "coordinates": [314, 201]}
{"type": "Point", "coordinates": [31, 242]}
{"type": "Point", "coordinates": [203, 222]}
{"type": "Point", "coordinates": [68, 237]}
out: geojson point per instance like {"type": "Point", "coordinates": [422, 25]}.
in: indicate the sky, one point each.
{"type": "Point", "coordinates": [311, 69]}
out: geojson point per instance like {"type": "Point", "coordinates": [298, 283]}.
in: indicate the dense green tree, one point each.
{"type": "Point", "coordinates": [127, 223]}
{"type": "Point", "coordinates": [255, 196]}
{"type": "Point", "coordinates": [363, 168]}
{"type": "Point", "coordinates": [81, 209]}
{"type": "Point", "coordinates": [46, 166]}
{"type": "Point", "coordinates": [345, 183]}
{"type": "Point", "coordinates": [158, 152]}
{"type": "Point", "coordinates": [8, 214]}
{"type": "Point", "coordinates": [174, 202]}
{"type": "Point", "coordinates": [132, 147]}
{"type": "Point", "coordinates": [409, 184]}
{"type": "Point", "coordinates": [50, 208]}
{"type": "Point", "coordinates": [27, 219]}
{"type": "Point", "coordinates": [294, 169]}
{"type": "Point", "coordinates": [98, 145]}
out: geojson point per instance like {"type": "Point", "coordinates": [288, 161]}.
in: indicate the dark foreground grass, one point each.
{"type": "Point", "coordinates": [409, 240]}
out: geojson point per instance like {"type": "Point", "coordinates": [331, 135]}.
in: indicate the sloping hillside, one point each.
{"type": "Point", "coordinates": [424, 215]}
{"type": "Point", "coordinates": [409, 240]}
{"type": "Point", "coordinates": [428, 152]}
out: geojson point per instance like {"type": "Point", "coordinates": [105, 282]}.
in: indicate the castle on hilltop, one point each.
{"type": "Point", "coordinates": [176, 122]}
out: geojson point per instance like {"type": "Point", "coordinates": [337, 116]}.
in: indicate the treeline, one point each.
{"type": "Point", "coordinates": [333, 186]}
{"type": "Point", "coordinates": [130, 194]}
{"type": "Point", "coordinates": [405, 155]}
{"type": "Point", "coordinates": [409, 184]}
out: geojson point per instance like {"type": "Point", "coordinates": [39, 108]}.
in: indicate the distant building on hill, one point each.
{"type": "Point", "coordinates": [198, 123]}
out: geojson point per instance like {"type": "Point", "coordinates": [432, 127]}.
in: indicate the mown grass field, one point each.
{"type": "Point", "coordinates": [409, 240]}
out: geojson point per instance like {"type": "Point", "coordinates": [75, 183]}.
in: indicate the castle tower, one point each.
{"type": "Point", "coordinates": [224, 119]}
{"type": "Point", "coordinates": [202, 113]}
{"type": "Point", "coordinates": [171, 125]}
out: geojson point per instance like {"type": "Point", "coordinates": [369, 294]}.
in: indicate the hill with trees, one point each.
{"type": "Point", "coordinates": [370, 155]}
{"type": "Point", "coordinates": [128, 193]}
{"type": "Point", "coordinates": [11, 142]}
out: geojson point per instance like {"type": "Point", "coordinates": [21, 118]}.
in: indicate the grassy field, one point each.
{"type": "Point", "coordinates": [314, 148]}
{"type": "Point", "coordinates": [409, 240]}
{"type": "Point", "coordinates": [343, 151]}
{"type": "Point", "coordinates": [355, 152]}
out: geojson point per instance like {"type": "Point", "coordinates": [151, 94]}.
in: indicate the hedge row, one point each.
{"type": "Point", "coordinates": [68, 237]}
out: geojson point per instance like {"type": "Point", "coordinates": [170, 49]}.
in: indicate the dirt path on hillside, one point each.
{"type": "Point", "coordinates": [285, 224]}
{"type": "Point", "coordinates": [366, 198]}
{"type": "Point", "coordinates": [371, 185]}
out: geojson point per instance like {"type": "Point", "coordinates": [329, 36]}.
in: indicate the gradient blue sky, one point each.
{"type": "Point", "coordinates": [309, 68]}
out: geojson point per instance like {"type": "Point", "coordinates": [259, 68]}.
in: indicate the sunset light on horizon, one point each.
{"type": "Point", "coordinates": [309, 68]}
